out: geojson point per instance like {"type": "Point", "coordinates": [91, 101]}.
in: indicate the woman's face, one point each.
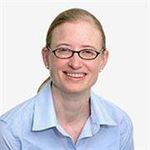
{"type": "Point", "coordinates": [75, 75]}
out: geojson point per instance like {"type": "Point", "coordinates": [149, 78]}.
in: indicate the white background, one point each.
{"type": "Point", "coordinates": [24, 24]}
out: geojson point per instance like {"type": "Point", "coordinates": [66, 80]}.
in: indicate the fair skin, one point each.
{"type": "Point", "coordinates": [73, 78]}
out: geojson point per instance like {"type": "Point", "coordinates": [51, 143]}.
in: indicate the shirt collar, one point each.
{"type": "Point", "coordinates": [99, 112]}
{"type": "Point", "coordinates": [44, 112]}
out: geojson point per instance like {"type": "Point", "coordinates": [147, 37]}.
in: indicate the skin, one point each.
{"type": "Point", "coordinates": [73, 78]}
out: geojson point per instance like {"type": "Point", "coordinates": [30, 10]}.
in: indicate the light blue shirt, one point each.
{"type": "Point", "coordinates": [33, 126]}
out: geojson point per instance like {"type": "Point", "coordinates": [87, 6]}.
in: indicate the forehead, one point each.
{"type": "Point", "coordinates": [78, 32]}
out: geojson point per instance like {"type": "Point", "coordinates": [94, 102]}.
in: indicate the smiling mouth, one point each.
{"type": "Point", "coordinates": [75, 75]}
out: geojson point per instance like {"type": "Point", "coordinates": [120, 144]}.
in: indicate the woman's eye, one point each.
{"type": "Point", "coordinates": [88, 52]}
{"type": "Point", "coordinates": [63, 50]}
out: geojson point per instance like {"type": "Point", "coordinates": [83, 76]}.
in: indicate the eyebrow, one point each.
{"type": "Point", "coordinates": [63, 44]}
{"type": "Point", "coordinates": [66, 44]}
{"type": "Point", "coordinates": [89, 46]}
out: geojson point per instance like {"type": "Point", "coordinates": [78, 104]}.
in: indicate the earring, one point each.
{"type": "Point", "coordinates": [101, 70]}
{"type": "Point", "coordinates": [47, 66]}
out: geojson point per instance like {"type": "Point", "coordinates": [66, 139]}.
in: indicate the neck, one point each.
{"type": "Point", "coordinates": [72, 111]}
{"type": "Point", "coordinates": [71, 108]}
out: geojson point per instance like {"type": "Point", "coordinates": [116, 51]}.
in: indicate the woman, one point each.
{"type": "Point", "coordinates": [66, 114]}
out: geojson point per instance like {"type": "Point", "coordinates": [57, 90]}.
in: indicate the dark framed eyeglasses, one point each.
{"type": "Point", "coordinates": [65, 53]}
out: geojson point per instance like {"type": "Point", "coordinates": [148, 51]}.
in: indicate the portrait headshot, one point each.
{"type": "Point", "coordinates": [71, 75]}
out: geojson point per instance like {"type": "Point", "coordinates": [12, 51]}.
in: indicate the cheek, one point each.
{"type": "Point", "coordinates": [55, 64]}
{"type": "Point", "coordinates": [94, 67]}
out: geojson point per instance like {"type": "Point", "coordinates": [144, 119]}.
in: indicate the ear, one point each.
{"type": "Point", "coordinates": [103, 60]}
{"type": "Point", "coordinates": [45, 56]}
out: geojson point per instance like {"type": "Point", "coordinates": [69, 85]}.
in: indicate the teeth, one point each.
{"type": "Point", "coordinates": [75, 75]}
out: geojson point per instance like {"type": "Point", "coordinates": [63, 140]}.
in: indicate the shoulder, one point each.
{"type": "Point", "coordinates": [16, 119]}
{"type": "Point", "coordinates": [22, 115]}
{"type": "Point", "coordinates": [14, 122]}
{"type": "Point", "coordinates": [120, 117]}
{"type": "Point", "coordinates": [117, 114]}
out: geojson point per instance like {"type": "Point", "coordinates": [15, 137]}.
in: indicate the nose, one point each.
{"type": "Point", "coordinates": [75, 61]}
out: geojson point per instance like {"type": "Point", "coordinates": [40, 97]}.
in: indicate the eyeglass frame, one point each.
{"type": "Point", "coordinates": [78, 52]}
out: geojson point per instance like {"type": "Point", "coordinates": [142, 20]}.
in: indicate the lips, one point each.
{"type": "Point", "coordinates": [75, 74]}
